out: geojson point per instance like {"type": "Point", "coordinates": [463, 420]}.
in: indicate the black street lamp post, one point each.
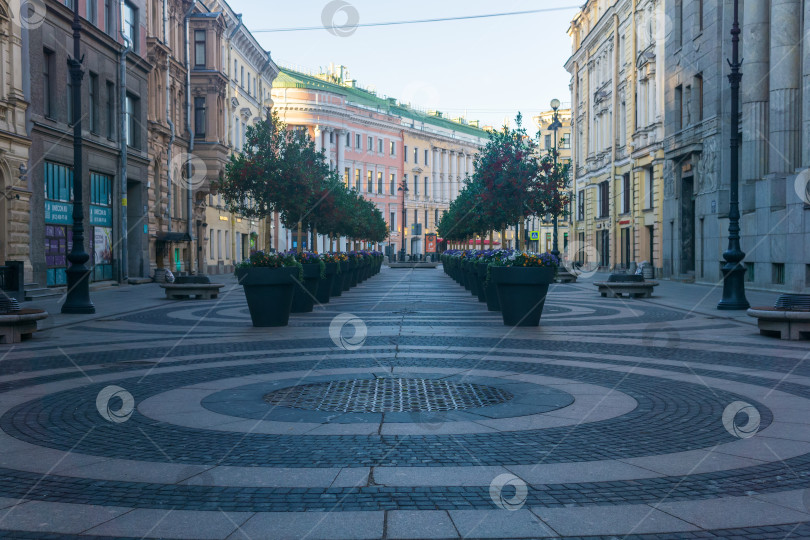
{"type": "Point", "coordinates": [78, 275]}
{"type": "Point", "coordinates": [734, 269]}
{"type": "Point", "coordinates": [555, 125]}
{"type": "Point", "coordinates": [403, 187]}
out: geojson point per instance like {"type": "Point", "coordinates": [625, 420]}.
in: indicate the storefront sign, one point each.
{"type": "Point", "coordinates": [60, 213]}
{"type": "Point", "coordinates": [100, 216]}
{"type": "Point", "coordinates": [430, 243]}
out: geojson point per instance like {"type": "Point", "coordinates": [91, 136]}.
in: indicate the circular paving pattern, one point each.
{"type": "Point", "coordinates": [613, 418]}
{"type": "Point", "coordinates": [388, 394]}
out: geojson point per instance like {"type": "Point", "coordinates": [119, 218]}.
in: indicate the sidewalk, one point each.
{"type": "Point", "coordinates": [114, 300]}
{"type": "Point", "coordinates": [692, 297]}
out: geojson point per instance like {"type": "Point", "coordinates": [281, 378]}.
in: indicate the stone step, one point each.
{"type": "Point", "coordinates": [43, 292]}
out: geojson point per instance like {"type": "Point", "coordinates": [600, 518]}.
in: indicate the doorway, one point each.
{"type": "Point", "coordinates": [687, 225]}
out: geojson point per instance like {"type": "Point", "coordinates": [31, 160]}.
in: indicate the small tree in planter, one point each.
{"type": "Point", "coordinates": [268, 280]}
{"type": "Point", "coordinates": [521, 280]}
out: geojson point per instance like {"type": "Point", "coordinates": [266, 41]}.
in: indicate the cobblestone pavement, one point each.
{"type": "Point", "coordinates": [404, 409]}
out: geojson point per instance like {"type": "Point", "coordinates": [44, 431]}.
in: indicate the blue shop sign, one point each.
{"type": "Point", "coordinates": [100, 216]}
{"type": "Point", "coordinates": [59, 213]}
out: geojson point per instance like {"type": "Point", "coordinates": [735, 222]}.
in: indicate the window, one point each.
{"type": "Point", "coordinates": [93, 112]}
{"type": "Point", "coordinates": [435, 218]}
{"type": "Point", "coordinates": [779, 273]}
{"type": "Point", "coordinates": [700, 15]}
{"type": "Point", "coordinates": [369, 182]}
{"type": "Point", "coordinates": [58, 182]}
{"type": "Point", "coordinates": [131, 121]}
{"type": "Point", "coordinates": [348, 139]}
{"type": "Point", "coordinates": [242, 76]}
{"type": "Point", "coordinates": [405, 180]}
{"type": "Point", "coordinates": [426, 158]}
{"type": "Point", "coordinates": [109, 17]}
{"type": "Point", "coordinates": [626, 193]}
{"type": "Point", "coordinates": [47, 83]}
{"type": "Point", "coordinates": [357, 179]}
{"type": "Point", "coordinates": [370, 144]}
{"type": "Point", "coordinates": [235, 69]}
{"type": "Point", "coordinates": [71, 114]}
{"type": "Point", "coordinates": [416, 185]}
{"type": "Point", "coordinates": [426, 221]}
{"type": "Point", "coordinates": [392, 148]}
{"type": "Point", "coordinates": [699, 96]}
{"type": "Point", "coordinates": [131, 25]}
{"type": "Point", "coordinates": [110, 108]}
{"type": "Point", "coordinates": [679, 26]}
{"type": "Point", "coordinates": [211, 245]}
{"type": "Point", "coordinates": [199, 48]}
{"type": "Point", "coordinates": [219, 244]}
{"type": "Point", "coordinates": [380, 183]}
{"type": "Point", "coordinates": [357, 141]}
{"type": "Point", "coordinates": [679, 107]}
{"type": "Point", "coordinates": [346, 175]}
{"type": "Point", "coordinates": [548, 141]}
{"type": "Point", "coordinates": [649, 187]}
{"type": "Point", "coordinates": [100, 189]}
{"type": "Point", "coordinates": [416, 155]}
{"type": "Point", "coordinates": [426, 186]}
{"type": "Point", "coordinates": [92, 11]}
{"type": "Point", "coordinates": [380, 146]}
{"type": "Point", "coordinates": [199, 117]}
{"type": "Point", "coordinates": [392, 221]}
{"type": "Point", "coordinates": [406, 154]}
{"type": "Point", "coordinates": [604, 199]}
{"type": "Point", "coordinates": [392, 187]}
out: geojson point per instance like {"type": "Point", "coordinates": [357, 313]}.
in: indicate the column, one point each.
{"type": "Point", "coordinates": [438, 187]}
{"type": "Point", "coordinates": [340, 135]}
{"type": "Point", "coordinates": [454, 172]}
{"type": "Point", "coordinates": [446, 173]}
{"type": "Point", "coordinates": [806, 86]}
{"type": "Point", "coordinates": [319, 138]}
{"type": "Point", "coordinates": [785, 60]}
{"type": "Point", "coordinates": [756, 44]}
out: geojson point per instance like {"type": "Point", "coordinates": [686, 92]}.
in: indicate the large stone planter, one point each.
{"type": "Point", "coordinates": [327, 283]}
{"type": "Point", "coordinates": [522, 293]}
{"type": "Point", "coordinates": [481, 275]}
{"type": "Point", "coordinates": [340, 278]}
{"type": "Point", "coordinates": [269, 293]}
{"type": "Point", "coordinates": [305, 290]}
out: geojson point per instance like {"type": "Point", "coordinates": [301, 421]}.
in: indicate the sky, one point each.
{"type": "Point", "coordinates": [486, 69]}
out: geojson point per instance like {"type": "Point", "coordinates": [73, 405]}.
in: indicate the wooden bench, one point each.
{"type": "Point", "coordinates": [184, 291]}
{"type": "Point", "coordinates": [18, 325]}
{"type": "Point", "coordinates": [788, 319]}
{"type": "Point", "coordinates": [630, 284]}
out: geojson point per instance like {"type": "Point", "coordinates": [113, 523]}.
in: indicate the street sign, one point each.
{"type": "Point", "coordinates": [534, 235]}
{"type": "Point", "coordinates": [416, 229]}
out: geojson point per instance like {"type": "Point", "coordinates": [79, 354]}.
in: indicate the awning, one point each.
{"type": "Point", "coordinates": [173, 237]}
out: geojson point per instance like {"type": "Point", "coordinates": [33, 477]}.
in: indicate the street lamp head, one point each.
{"type": "Point", "coordinates": [555, 104]}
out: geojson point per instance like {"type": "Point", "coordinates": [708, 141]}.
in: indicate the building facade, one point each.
{"type": "Point", "coordinates": [618, 132]}
{"type": "Point", "coordinates": [112, 121]}
{"type": "Point", "coordinates": [774, 136]}
{"type": "Point", "coordinates": [227, 238]}
{"type": "Point", "coordinates": [15, 90]}
{"type": "Point", "coordinates": [377, 143]}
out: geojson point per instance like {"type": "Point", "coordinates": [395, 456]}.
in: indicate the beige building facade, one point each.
{"type": "Point", "coordinates": [618, 132]}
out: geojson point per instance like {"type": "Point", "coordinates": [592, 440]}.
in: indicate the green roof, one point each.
{"type": "Point", "coordinates": [288, 78]}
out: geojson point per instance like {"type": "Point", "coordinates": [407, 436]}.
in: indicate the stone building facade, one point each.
{"type": "Point", "coordinates": [227, 238]}
{"type": "Point", "coordinates": [15, 89]}
{"type": "Point", "coordinates": [618, 132]}
{"type": "Point", "coordinates": [774, 135]}
{"type": "Point", "coordinates": [50, 169]}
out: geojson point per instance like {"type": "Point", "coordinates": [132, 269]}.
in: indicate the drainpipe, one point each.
{"type": "Point", "coordinates": [168, 117]}
{"type": "Point", "coordinates": [192, 256]}
{"type": "Point", "coordinates": [123, 271]}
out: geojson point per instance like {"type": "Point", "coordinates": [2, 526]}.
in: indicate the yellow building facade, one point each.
{"type": "Point", "coordinates": [617, 133]}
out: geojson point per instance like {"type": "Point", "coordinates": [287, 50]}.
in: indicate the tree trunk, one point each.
{"type": "Point", "coordinates": [491, 240]}
{"type": "Point", "coordinates": [300, 247]}
{"type": "Point", "coordinates": [314, 238]}
{"type": "Point", "coordinates": [503, 236]}
{"type": "Point", "coordinates": [521, 242]}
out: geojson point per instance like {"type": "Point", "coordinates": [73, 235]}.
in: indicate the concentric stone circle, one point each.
{"type": "Point", "coordinates": [388, 394]}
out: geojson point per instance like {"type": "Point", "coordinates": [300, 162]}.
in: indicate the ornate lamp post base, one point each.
{"type": "Point", "coordinates": [733, 288]}
{"type": "Point", "coordinates": [78, 291]}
